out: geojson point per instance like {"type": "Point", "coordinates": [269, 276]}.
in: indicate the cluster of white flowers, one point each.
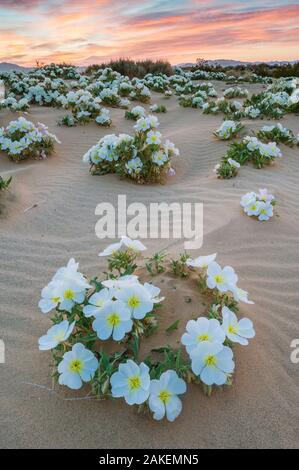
{"type": "Point", "coordinates": [159, 83]}
{"type": "Point", "coordinates": [66, 288]}
{"type": "Point", "coordinates": [168, 94]}
{"type": "Point", "coordinates": [136, 113]}
{"type": "Point", "coordinates": [277, 133]}
{"type": "Point", "coordinates": [22, 139]}
{"type": "Point", "coordinates": [119, 308]}
{"type": "Point", "coordinates": [212, 360]}
{"type": "Point", "coordinates": [259, 204]}
{"type": "Point", "coordinates": [15, 105]}
{"type": "Point", "coordinates": [103, 119]}
{"type": "Point", "coordinates": [207, 340]}
{"type": "Point", "coordinates": [269, 150]}
{"type": "Point", "coordinates": [228, 129]}
{"type": "Point", "coordinates": [252, 112]}
{"type": "Point", "coordinates": [143, 156]}
{"type": "Point", "coordinates": [140, 92]}
{"type": "Point", "coordinates": [224, 280]}
{"type": "Point", "coordinates": [236, 92]}
{"type": "Point", "coordinates": [280, 97]}
{"type": "Point", "coordinates": [133, 382]}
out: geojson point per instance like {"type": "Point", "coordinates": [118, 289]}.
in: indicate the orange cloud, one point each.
{"type": "Point", "coordinates": [98, 30]}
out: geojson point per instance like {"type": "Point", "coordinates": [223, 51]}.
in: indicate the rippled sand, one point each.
{"type": "Point", "coordinates": [261, 409]}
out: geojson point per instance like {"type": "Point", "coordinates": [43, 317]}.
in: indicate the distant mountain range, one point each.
{"type": "Point", "coordinates": [236, 63]}
{"type": "Point", "coordinates": [6, 66]}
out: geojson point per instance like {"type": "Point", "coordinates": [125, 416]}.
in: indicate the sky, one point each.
{"type": "Point", "coordinates": [82, 32]}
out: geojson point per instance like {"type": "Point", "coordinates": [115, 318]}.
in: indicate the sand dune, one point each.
{"type": "Point", "coordinates": [261, 409]}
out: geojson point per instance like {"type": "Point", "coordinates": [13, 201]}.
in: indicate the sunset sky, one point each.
{"type": "Point", "coordinates": [90, 31]}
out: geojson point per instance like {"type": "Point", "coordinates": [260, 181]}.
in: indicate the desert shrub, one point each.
{"type": "Point", "coordinates": [141, 157]}
{"type": "Point", "coordinates": [277, 133]}
{"type": "Point", "coordinates": [21, 139]}
{"type": "Point", "coordinates": [240, 153]}
{"type": "Point", "coordinates": [132, 68]}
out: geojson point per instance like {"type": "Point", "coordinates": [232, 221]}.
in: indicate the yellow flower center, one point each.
{"type": "Point", "coordinates": [263, 211]}
{"type": "Point", "coordinates": [133, 302]}
{"type": "Point", "coordinates": [69, 294]}
{"type": "Point", "coordinates": [219, 279]}
{"type": "Point", "coordinates": [134, 382]}
{"type": "Point", "coordinates": [253, 207]}
{"type": "Point", "coordinates": [204, 337]}
{"type": "Point", "coordinates": [165, 396]}
{"type": "Point", "coordinates": [211, 360]}
{"type": "Point", "coordinates": [76, 366]}
{"type": "Point", "coordinates": [232, 329]}
{"type": "Point", "coordinates": [113, 319]}
{"type": "Point", "coordinates": [55, 299]}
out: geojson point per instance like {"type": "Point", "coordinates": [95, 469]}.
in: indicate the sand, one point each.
{"type": "Point", "coordinates": [261, 409]}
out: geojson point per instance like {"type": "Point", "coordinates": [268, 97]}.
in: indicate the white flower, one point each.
{"type": "Point", "coordinates": [154, 107]}
{"type": "Point", "coordinates": [134, 165]}
{"type": "Point", "coordinates": [103, 117]}
{"type": "Point", "coordinates": [55, 335]}
{"type": "Point", "coordinates": [50, 297]}
{"type": "Point", "coordinates": [252, 112]}
{"type": "Point", "coordinates": [70, 294]}
{"type": "Point", "coordinates": [236, 331]}
{"type": "Point", "coordinates": [153, 138]}
{"type": "Point", "coordinates": [265, 196]}
{"type": "Point", "coordinates": [66, 288]}
{"type": "Point", "coordinates": [153, 292]}
{"type": "Point", "coordinates": [164, 395]}
{"type": "Point", "coordinates": [137, 298]}
{"type": "Point", "coordinates": [131, 382]}
{"type": "Point", "coordinates": [201, 261]}
{"type": "Point", "coordinates": [253, 143]}
{"type": "Point", "coordinates": [201, 330]}
{"type": "Point", "coordinates": [237, 105]}
{"type": "Point", "coordinates": [265, 211]}
{"type": "Point", "coordinates": [223, 279]}
{"type": "Point", "coordinates": [96, 302]}
{"type": "Point", "coordinates": [77, 365]}
{"type": "Point", "coordinates": [212, 362]}
{"type": "Point", "coordinates": [248, 199]}
{"type": "Point", "coordinates": [153, 121]}
{"type": "Point", "coordinates": [226, 129]}
{"type": "Point", "coordinates": [124, 244]}
{"type": "Point", "coordinates": [253, 208]}
{"type": "Point", "coordinates": [134, 245]}
{"type": "Point", "coordinates": [146, 123]}
{"type": "Point", "coordinates": [70, 273]}
{"type": "Point", "coordinates": [159, 158]}
{"type": "Point", "coordinates": [121, 283]}
{"type": "Point", "coordinates": [270, 150]}
{"type": "Point", "coordinates": [169, 147]}
{"type": "Point", "coordinates": [294, 98]}
{"type": "Point", "coordinates": [241, 295]}
{"type": "Point", "coordinates": [234, 163]}
{"type": "Point", "coordinates": [113, 320]}
{"type": "Point", "coordinates": [111, 249]}
{"type": "Point", "coordinates": [138, 111]}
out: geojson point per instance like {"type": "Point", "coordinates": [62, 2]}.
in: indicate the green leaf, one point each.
{"type": "Point", "coordinates": [174, 326]}
{"type": "Point", "coordinates": [161, 350]}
